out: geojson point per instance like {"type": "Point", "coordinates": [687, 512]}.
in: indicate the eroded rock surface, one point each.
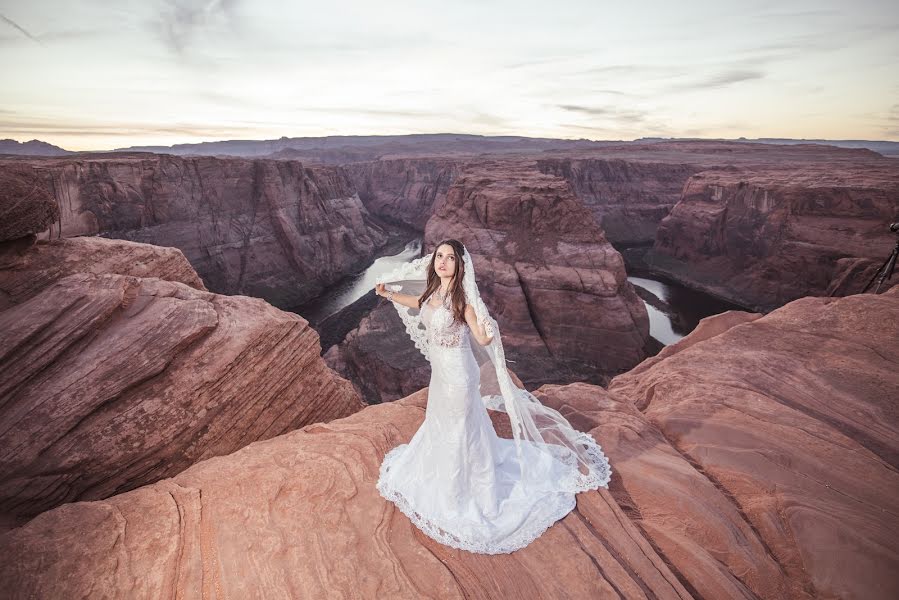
{"type": "Point", "coordinates": [556, 286]}
{"type": "Point", "coordinates": [764, 236]}
{"type": "Point", "coordinates": [758, 460]}
{"type": "Point", "coordinates": [26, 270]}
{"type": "Point", "coordinates": [379, 358]}
{"type": "Point", "coordinates": [628, 198]}
{"type": "Point", "coordinates": [271, 229]}
{"type": "Point", "coordinates": [554, 283]}
{"type": "Point", "coordinates": [404, 190]}
{"type": "Point", "coordinates": [793, 417]}
{"type": "Point", "coordinates": [110, 382]}
{"type": "Point", "coordinates": [26, 207]}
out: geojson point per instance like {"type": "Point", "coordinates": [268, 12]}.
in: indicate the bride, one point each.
{"type": "Point", "coordinates": [456, 479]}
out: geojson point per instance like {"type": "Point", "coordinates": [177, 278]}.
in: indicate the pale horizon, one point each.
{"type": "Point", "coordinates": [94, 77]}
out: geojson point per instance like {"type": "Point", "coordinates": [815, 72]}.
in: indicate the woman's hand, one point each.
{"type": "Point", "coordinates": [380, 289]}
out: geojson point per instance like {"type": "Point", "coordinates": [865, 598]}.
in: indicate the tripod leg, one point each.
{"type": "Point", "coordinates": [877, 272]}
{"type": "Point", "coordinates": [887, 270]}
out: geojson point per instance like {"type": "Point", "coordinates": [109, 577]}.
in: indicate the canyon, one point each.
{"type": "Point", "coordinates": [271, 229]}
{"type": "Point", "coordinates": [169, 431]}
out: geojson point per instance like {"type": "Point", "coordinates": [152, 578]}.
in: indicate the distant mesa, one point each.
{"type": "Point", "coordinates": [351, 148]}
{"type": "Point", "coordinates": [31, 148]}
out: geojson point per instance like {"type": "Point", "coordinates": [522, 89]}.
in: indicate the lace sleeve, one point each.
{"type": "Point", "coordinates": [412, 271]}
{"type": "Point", "coordinates": [413, 328]}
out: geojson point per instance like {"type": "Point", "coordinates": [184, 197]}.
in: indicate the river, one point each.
{"type": "Point", "coordinates": [674, 310]}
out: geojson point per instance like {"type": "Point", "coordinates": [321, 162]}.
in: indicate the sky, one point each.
{"type": "Point", "coordinates": [93, 75]}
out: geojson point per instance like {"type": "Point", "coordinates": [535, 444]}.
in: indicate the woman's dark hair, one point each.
{"type": "Point", "coordinates": [457, 294]}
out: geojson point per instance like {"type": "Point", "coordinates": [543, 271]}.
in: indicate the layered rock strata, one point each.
{"type": "Point", "coordinates": [629, 199]}
{"type": "Point", "coordinates": [546, 271]}
{"type": "Point", "coordinates": [766, 236]}
{"type": "Point", "coordinates": [403, 190]}
{"type": "Point", "coordinates": [110, 382]}
{"type": "Point", "coordinates": [271, 229]}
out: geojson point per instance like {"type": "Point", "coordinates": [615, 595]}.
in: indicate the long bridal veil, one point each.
{"type": "Point", "coordinates": [543, 437]}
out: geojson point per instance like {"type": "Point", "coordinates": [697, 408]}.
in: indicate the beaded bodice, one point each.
{"type": "Point", "coordinates": [443, 330]}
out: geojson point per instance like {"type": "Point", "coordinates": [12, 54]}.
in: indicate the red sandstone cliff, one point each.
{"type": "Point", "coordinates": [117, 369]}
{"type": "Point", "coordinates": [628, 198]}
{"type": "Point", "coordinates": [766, 236]}
{"type": "Point", "coordinates": [271, 229]}
{"type": "Point", "coordinates": [378, 357]}
{"type": "Point", "coordinates": [403, 190]}
{"type": "Point", "coordinates": [554, 283]}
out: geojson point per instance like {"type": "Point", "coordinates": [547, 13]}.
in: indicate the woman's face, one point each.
{"type": "Point", "coordinates": [445, 261]}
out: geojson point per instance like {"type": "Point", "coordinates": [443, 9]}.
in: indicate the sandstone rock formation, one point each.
{"type": "Point", "coordinates": [270, 229]}
{"type": "Point", "coordinates": [110, 382]}
{"type": "Point", "coordinates": [298, 516]}
{"type": "Point", "coordinates": [277, 230]}
{"type": "Point", "coordinates": [26, 270]}
{"type": "Point", "coordinates": [551, 279]}
{"type": "Point", "coordinates": [378, 357]}
{"type": "Point", "coordinates": [403, 191]}
{"type": "Point", "coordinates": [764, 236]}
{"type": "Point", "coordinates": [556, 286]}
{"type": "Point", "coordinates": [26, 207]}
{"type": "Point", "coordinates": [628, 198]}
{"type": "Point", "coordinates": [757, 461]}
{"type": "Point", "coordinates": [793, 418]}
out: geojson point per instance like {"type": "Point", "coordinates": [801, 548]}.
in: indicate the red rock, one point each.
{"type": "Point", "coordinates": [553, 282]}
{"type": "Point", "coordinates": [403, 190]}
{"type": "Point", "coordinates": [793, 416]}
{"type": "Point", "coordinates": [692, 524]}
{"type": "Point", "coordinates": [270, 229]}
{"type": "Point", "coordinates": [26, 207]}
{"type": "Point", "coordinates": [628, 198]}
{"type": "Point", "coordinates": [762, 237]}
{"type": "Point", "coordinates": [299, 516]}
{"type": "Point", "coordinates": [110, 382]}
{"type": "Point", "coordinates": [26, 271]}
{"type": "Point", "coordinates": [379, 358]}
{"type": "Point", "coordinates": [739, 479]}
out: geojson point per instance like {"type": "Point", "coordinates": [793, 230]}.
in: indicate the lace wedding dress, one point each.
{"type": "Point", "coordinates": [459, 482]}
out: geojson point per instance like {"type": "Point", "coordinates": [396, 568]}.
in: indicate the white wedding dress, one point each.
{"type": "Point", "coordinates": [456, 479]}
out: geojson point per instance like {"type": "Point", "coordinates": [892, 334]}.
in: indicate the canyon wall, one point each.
{"type": "Point", "coordinates": [766, 236]}
{"type": "Point", "coordinates": [628, 198]}
{"type": "Point", "coordinates": [546, 271]}
{"type": "Point", "coordinates": [403, 190]}
{"type": "Point", "coordinates": [118, 368]}
{"type": "Point", "coordinates": [271, 229]}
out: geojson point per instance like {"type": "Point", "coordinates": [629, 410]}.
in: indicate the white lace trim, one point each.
{"type": "Point", "coordinates": [599, 471]}
{"type": "Point", "coordinates": [548, 512]}
{"type": "Point", "coordinates": [410, 270]}
{"type": "Point", "coordinates": [418, 335]}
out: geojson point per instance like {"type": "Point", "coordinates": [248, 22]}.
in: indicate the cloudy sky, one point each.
{"type": "Point", "coordinates": [105, 74]}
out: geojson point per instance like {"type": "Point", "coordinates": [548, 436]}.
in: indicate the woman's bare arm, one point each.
{"type": "Point", "coordinates": [476, 328]}
{"type": "Point", "coordinates": [404, 299]}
